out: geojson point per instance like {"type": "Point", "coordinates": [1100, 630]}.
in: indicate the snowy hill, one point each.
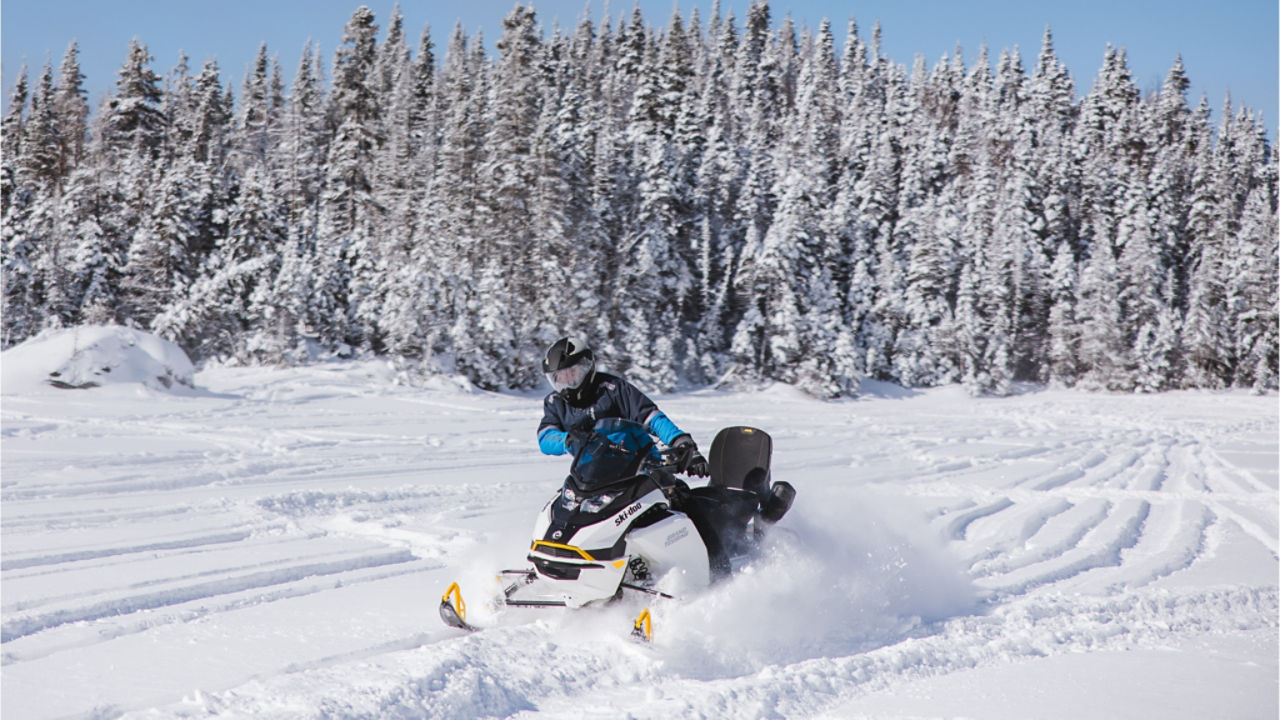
{"type": "Point", "coordinates": [92, 356]}
{"type": "Point", "coordinates": [275, 544]}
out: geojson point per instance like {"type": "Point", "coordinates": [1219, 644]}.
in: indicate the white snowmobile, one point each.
{"type": "Point", "coordinates": [623, 522]}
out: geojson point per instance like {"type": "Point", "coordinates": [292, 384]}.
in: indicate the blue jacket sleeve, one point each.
{"type": "Point", "coordinates": [551, 431]}
{"type": "Point", "coordinates": [551, 441]}
{"type": "Point", "coordinates": [661, 425]}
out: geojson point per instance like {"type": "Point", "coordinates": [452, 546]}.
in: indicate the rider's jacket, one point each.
{"type": "Point", "coordinates": [609, 396]}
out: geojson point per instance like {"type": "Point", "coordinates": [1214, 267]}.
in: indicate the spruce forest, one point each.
{"type": "Point", "coordinates": [714, 201]}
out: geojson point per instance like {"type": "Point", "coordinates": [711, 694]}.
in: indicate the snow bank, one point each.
{"type": "Point", "coordinates": [87, 357]}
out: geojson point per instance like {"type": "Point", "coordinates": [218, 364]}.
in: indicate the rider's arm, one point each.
{"type": "Point", "coordinates": [551, 432]}
{"type": "Point", "coordinates": [551, 441]}
{"type": "Point", "coordinates": [637, 407]}
{"type": "Point", "coordinates": [659, 424]}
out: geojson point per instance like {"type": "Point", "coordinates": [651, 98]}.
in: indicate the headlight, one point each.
{"type": "Point", "coordinates": [568, 498]}
{"type": "Point", "coordinates": [596, 503]}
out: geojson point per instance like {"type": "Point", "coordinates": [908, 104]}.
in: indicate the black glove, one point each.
{"type": "Point", "coordinates": [688, 459]}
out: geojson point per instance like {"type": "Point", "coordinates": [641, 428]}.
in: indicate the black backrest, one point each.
{"type": "Point", "coordinates": [736, 453]}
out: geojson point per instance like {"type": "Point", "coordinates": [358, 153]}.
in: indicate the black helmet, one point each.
{"type": "Point", "coordinates": [569, 365]}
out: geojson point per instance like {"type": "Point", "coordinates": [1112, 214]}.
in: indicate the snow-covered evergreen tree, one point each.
{"type": "Point", "coordinates": [1101, 349]}
{"type": "Point", "coordinates": [347, 244]}
{"type": "Point", "coordinates": [705, 202]}
{"type": "Point", "coordinates": [133, 120]}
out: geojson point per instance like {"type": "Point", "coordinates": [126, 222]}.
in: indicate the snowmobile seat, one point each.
{"type": "Point", "coordinates": [739, 459]}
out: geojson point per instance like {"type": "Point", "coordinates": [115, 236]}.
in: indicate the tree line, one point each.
{"type": "Point", "coordinates": [710, 202]}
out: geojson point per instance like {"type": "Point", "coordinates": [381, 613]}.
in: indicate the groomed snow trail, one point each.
{"type": "Point", "coordinates": [275, 544]}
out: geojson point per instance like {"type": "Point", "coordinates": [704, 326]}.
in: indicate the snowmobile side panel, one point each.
{"type": "Point", "coordinates": [672, 544]}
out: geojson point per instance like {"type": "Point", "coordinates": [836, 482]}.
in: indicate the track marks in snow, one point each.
{"type": "Point", "coordinates": [1119, 504]}
{"type": "Point", "coordinates": [1076, 471]}
{"type": "Point", "coordinates": [1172, 538]}
{"type": "Point", "coordinates": [18, 563]}
{"type": "Point", "coordinates": [181, 593]}
{"type": "Point", "coordinates": [958, 525]}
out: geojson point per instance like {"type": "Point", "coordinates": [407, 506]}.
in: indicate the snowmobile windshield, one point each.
{"type": "Point", "coordinates": [617, 449]}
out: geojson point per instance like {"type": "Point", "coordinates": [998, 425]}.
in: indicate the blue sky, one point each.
{"type": "Point", "coordinates": [1229, 45]}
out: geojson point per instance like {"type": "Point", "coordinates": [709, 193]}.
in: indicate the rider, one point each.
{"type": "Point", "coordinates": [581, 395]}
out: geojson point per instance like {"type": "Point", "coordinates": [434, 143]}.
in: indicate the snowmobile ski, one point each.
{"type": "Point", "coordinates": [643, 629]}
{"type": "Point", "coordinates": [453, 609]}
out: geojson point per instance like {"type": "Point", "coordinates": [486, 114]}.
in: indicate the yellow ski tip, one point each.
{"type": "Point", "coordinates": [643, 629]}
{"type": "Point", "coordinates": [459, 605]}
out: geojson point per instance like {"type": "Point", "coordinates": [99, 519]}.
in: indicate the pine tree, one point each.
{"type": "Point", "coordinates": [1063, 354]}
{"type": "Point", "coordinates": [159, 265]}
{"type": "Point", "coordinates": [256, 114]}
{"type": "Point", "coordinates": [506, 175]}
{"type": "Point", "coordinates": [302, 147]}
{"type": "Point", "coordinates": [71, 110]}
{"type": "Point", "coordinates": [449, 219]}
{"type": "Point", "coordinates": [799, 322]}
{"type": "Point", "coordinates": [179, 110]}
{"type": "Point", "coordinates": [347, 246]}
{"type": "Point", "coordinates": [985, 301]}
{"type": "Point", "coordinates": [42, 143]}
{"type": "Point", "coordinates": [33, 274]}
{"type": "Point", "coordinates": [134, 122]}
{"type": "Point", "coordinates": [208, 127]}
{"type": "Point", "coordinates": [11, 144]}
{"type": "Point", "coordinates": [653, 275]}
{"type": "Point", "coordinates": [714, 192]}
{"type": "Point", "coordinates": [1172, 131]}
{"type": "Point", "coordinates": [231, 309]}
{"type": "Point", "coordinates": [98, 257]}
{"type": "Point", "coordinates": [1253, 290]}
{"type": "Point", "coordinates": [1102, 349]}
{"type": "Point", "coordinates": [928, 231]}
{"type": "Point", "coordinates": [463, 100]}
{"type": "Point", "coordinates": [205, 172]}
{"type": "Point", "coordinates": [1050, 113]}
{"type": "Point", "coordinates": [404, 167]}
{"type": "Point", "coordinates": [1146, 328]}
{"type": "Point", "coordinates": [20, 285]}
{"type": "Point", "coordinates": [568, 238]}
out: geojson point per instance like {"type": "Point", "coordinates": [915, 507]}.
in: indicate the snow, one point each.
{"type": "Point", "coordinates": [275, 542]}
{"type": "Point", "coordinates": [93, 356]}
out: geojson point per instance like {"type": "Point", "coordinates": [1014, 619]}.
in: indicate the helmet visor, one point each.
{"type": "Point", "coordinates": [569, 378]}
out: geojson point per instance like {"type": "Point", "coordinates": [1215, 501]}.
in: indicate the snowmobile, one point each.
{"type": "Point", "coordinates": [623, 522]}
